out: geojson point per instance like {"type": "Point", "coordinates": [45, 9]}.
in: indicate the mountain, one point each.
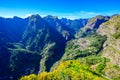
{"type": "Point", "coordinates": [13, 28]}
{"type": "Point", "coordinates": [76, 24]}
{"type": "Point", "coordinates": [92, 25]}
{"type": "Point", "coordinates": [16, 61]}
{"type": "Point", "coordinates": [95, 22]}
{"type": "Point", "coordinates": [98, 49]}
{"type": "Point", "coordinates": [36, 44]}
{"type": "Point", "coordinates": [68, 28]}
{"type": "Point", "coordinates": [31, 45]}
{"type": "Point", "coordinates": [111, 47]}
{"type": "Point", "coordinates": [41, 37]}
{"type": "Point", "coordinates": [57, 24]}
{"type": "Point", "coordinates": [4, 55]}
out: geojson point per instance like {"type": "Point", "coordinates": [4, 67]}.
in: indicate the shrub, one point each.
{"type": "Point", "coordinates": [68, 70]}
{"type": "Point", "coordinates": [29, 77]}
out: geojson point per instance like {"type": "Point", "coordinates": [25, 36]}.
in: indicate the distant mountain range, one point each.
{"type": "Point", "coordinates": [36, 44]}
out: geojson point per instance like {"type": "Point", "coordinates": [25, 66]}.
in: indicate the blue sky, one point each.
{"type": "Point", "coordinates": [62, 8]}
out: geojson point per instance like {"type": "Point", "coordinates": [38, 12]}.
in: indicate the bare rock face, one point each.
{"type": "Point", "coordinates": [110, 27]}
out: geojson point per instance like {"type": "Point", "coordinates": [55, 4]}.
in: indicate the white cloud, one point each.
{"type": "Point", "coordinates": [28, 15]}
{"type": "Point", "coordinates": [77, 15]}
{"type": "Point", "coordinates": [85, 14]}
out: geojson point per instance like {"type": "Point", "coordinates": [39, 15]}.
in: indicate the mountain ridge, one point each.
{"type": "Point", "coordinates": [37, 44]}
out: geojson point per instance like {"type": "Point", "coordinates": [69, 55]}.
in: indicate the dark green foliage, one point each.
{"type": "Point", "coordinates": [23, 62]}
{"type": "Point", "coordinates": [4, 56]}
{"type": "Point", "coordinates": [92, 60]}
{"type": "Point", "coordinates": [82, 34]}
{"type": "Point", "coordinates": [4, 61]}
{"type": "Point", "coordinates": [99, 40]}
{"type": "Point", "coordinates": [101, 66]}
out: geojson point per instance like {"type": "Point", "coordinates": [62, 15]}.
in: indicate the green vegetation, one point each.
{"type": "Point", "coordinates": [100, 17]}
{"type": "Point", "coordinates": [68, 70]}
{"type": "Point", "coordinates": [30, 77]}
{"type": "Point", "coordinates": [116, 35]}
{"type": "Point", "coordinates": [101, 65]}
{"type": "Point", "coordinates": [49, 41]}
{"type": "Point", "coordinates": [83, 47]}
{"type": "Point", "coordinates": [91, 60]}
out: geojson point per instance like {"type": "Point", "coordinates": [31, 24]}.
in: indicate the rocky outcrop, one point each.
{"type": "Point", "coordinates": [94, 23]}
{"type": "Point", "coordinates": [111, 48]}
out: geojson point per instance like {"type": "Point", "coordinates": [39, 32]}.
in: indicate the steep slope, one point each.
{"type": "Point", "coordinates": [18, 59]}
{"type": "Point", "coordinates": [22, 62]}
{"type": "Point", "coordinates": [37, 44]}
{"type": "Point", "coordinates": [4, 55]}
{"type": "Point", "coordinates": [95, 22]}
{"type": "Point", "coordinates": [111, 48]}
{"type": "Point", "coordinates": [76, 24]}
{"type": "Point", "coordinates": [98, 49]}
{"type": "Point", "coordinates": [41, 37]}
{"type": "Point", "coordinates": [13, 28]}
{"type": "Point", "coordinates": [68, 28]}
{"type": "Point", "coordinates": [15, 61]}
{"type": "Point", "coordinates": [92, 25]}
{"type": "Point", "coordinates": [88, 51]}
{"type": "Point", "coordinates": [57, 24]}
{"type": "Point", "coordinates": [83, 47]}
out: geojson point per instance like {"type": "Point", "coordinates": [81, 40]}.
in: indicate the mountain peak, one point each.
{"type": "Point", "coordinates": [95, 22]}
{"type": "Point", "coordinates": [35, 16]}
{"type": "Point", "coordinates": [51, 17]}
